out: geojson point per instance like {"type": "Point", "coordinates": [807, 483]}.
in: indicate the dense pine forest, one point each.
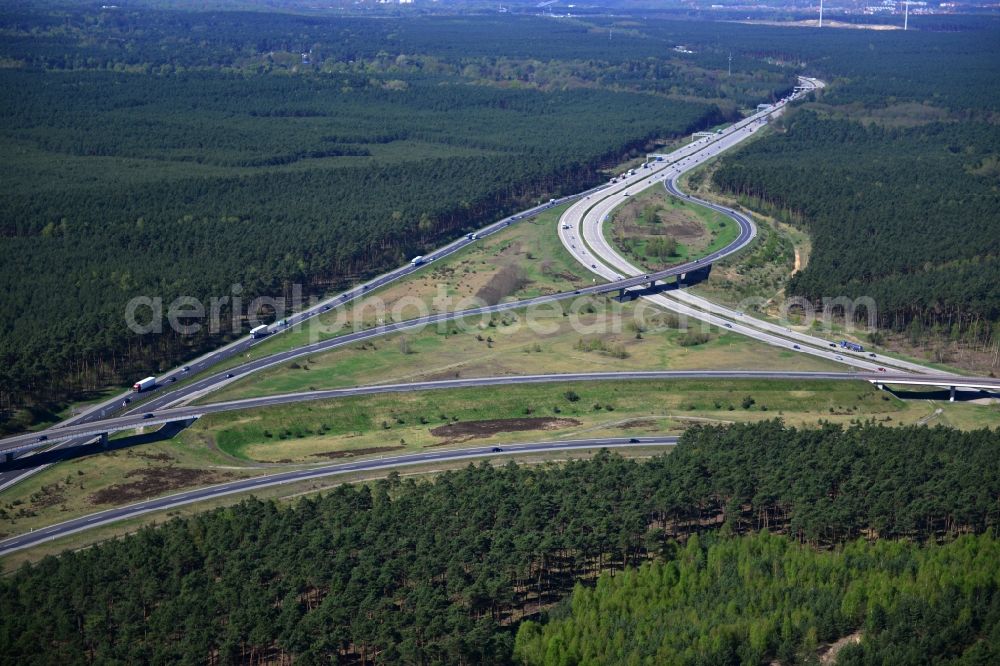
{"type": "Point", "coordinates": [740, 601]}
{"type": "Point", "coordinates": [893, 172]}
{"type": "Point", "coordinates": [168, 154]}
{"type": "Point", "coordinates": [446, 571]}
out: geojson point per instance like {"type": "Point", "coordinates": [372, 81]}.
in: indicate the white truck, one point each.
{"type": "Point", "coordinates": [258, 331]}
{"type": "Point", "coordinates": [417, 260]}
{"type": "Point", "coordinates": [144, 384]}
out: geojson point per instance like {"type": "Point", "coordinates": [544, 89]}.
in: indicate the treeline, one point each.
{"type": "Point", "coordinates": [907, 217]}
{"type": "Point", "coordinates": [893, 173]}
{"type": "Point", "coordinates": [120, 186]}
{"type": "Point", "coordinates": [756, 599]}
{"type": "Point", "coordinates": [443, 571]}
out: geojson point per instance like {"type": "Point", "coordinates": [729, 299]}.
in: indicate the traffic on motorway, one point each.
{"type": "Point", "coordinates": [676, 163]}
{"type": "Point", "coordinates": [581, 232]}
{"type": "Point", "coordinates": [170, 415]}
{"type": "Point", "coordinates": [109, 516]}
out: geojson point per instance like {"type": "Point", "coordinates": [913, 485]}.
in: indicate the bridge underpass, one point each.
{"type": "Point", "coordinates": [967, 384]}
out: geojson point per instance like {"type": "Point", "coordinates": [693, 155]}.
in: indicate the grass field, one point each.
{"type": "Point", "coordinates": [754, 279]}
{"type": "Point", "coordinates": [309, 432]}
{"type": "Point", "coordinates": [652, 216]}
{"type": "Point", "coordinates": [222, 447]}
{"type": "Point", "coordinates": [286, 493]}
{"type": "Point", "coordinates": [632, 336]}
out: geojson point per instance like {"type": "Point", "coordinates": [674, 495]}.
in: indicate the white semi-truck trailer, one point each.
{"type": "Point", "coordinates": [144, 384]}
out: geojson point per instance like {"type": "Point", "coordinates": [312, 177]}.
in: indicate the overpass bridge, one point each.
{"type": "Point", "coordinates": [951, 382]}
{"type": "Point", "coordinates": [102, 428]}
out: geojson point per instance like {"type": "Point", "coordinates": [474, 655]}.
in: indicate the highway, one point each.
{"type": "Point", "coordinates": [132, 421]}
{"type": "Point", "coordinates": [590, 206]}
{"type": "Point", "coordinates": [109, 516]}
{"type": "Point", "coordinates": [53, 439]}
{"type": "Point", "coordinates": [581, 232]}
{"type": "Point", "coordinates": [241, 346]}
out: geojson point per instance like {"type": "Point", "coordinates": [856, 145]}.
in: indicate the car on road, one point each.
{"type": "Point", "coordinates": [185, 369]}
{"type": "Point", "coordinates": [729, 325]}
{"type": "Point", "coordinates": [229, 375]}
{"type": "Point", "coordinates": [796, 347]}
{"type": "Point", "coordinates": [172, 379]}
{"type": "Point", "coordinates": [839, 358]}
{"type": "Point", "coordinates": [633, 440]}
{"type": "Point", "coordinates": [497, 449]}
{"type": "Point", "coordinates": [43, 438]}
{"type": "Point", "coordinates": [881, 369]}
{"type": "Point", "coordinates": [125, 402]}
{"type": "Point", "coordinates": [325, 308]}
{"type": "Point", "coordinates": [833, 344]}
{"type": "Point", "coordinates": [871, 355]}
{"type": "Point", "coordinates": [147, 415]}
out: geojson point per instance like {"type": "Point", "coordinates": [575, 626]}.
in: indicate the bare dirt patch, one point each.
{"type": "Point", "coordinates": [828, 654]}
{"type": "Point", "coordinates": [334, 455]}
{"type": "Point", "coordinates": [154, 481]}
{"type": "Point", "coordinates": [464, 431]}
{"type": "Point", "coordinates": [504, 282]}
{"type": "Point", "coordinates": [685, 227]}
{"type": "Point", "coordinates": [638, 423]}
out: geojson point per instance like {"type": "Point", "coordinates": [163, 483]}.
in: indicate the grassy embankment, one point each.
{"type": "Point", "coordinates": [655, 230]}
{"type": "Point", "coordinates": [237, 444]}
{"type": "Point", "coordinates": [754, 280]}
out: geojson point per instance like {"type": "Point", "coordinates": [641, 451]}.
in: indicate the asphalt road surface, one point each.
{"type": "Point", "coordinates": [581, 232]}
{"type": "Point", "coordinates": [131, 421]}
{"type": "Point", "coordinates": [20, 542]}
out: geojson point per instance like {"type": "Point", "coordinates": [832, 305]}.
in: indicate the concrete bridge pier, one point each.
{"type": "Point", "coordinates": [103, 440]}
{"type": "Point", "coordinates": [880, 386]}
{"type": "Point", "coordinates": [951, 394]}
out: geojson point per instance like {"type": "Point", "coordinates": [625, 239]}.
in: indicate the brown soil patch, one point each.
{"type": "Point", "coordinates": [682, 225]}
{"type": "Point", "coordinates": [638, 423]}
{"type": "Point", "coordinates": [334, 455]}
{"type": "Point", "coordinates": [464, 431]}
{"type": "Point", "coordinates": [154, 481]}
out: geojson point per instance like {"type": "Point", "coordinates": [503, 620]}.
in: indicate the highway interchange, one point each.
{"type": "Point", "coordinates": [580, 230]}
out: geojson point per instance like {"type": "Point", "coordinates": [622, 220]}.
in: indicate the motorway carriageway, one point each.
{"type": "Point", "coordinates": [605, 261]}
{"type": "Point", "coordinates": [109, 516]}
{"type": "Point", "coordinates": [112, 405]}
{"type": "Point", "coordinates": [196, 389]}
{"type": "Point", "coordinates": [132, 421]}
